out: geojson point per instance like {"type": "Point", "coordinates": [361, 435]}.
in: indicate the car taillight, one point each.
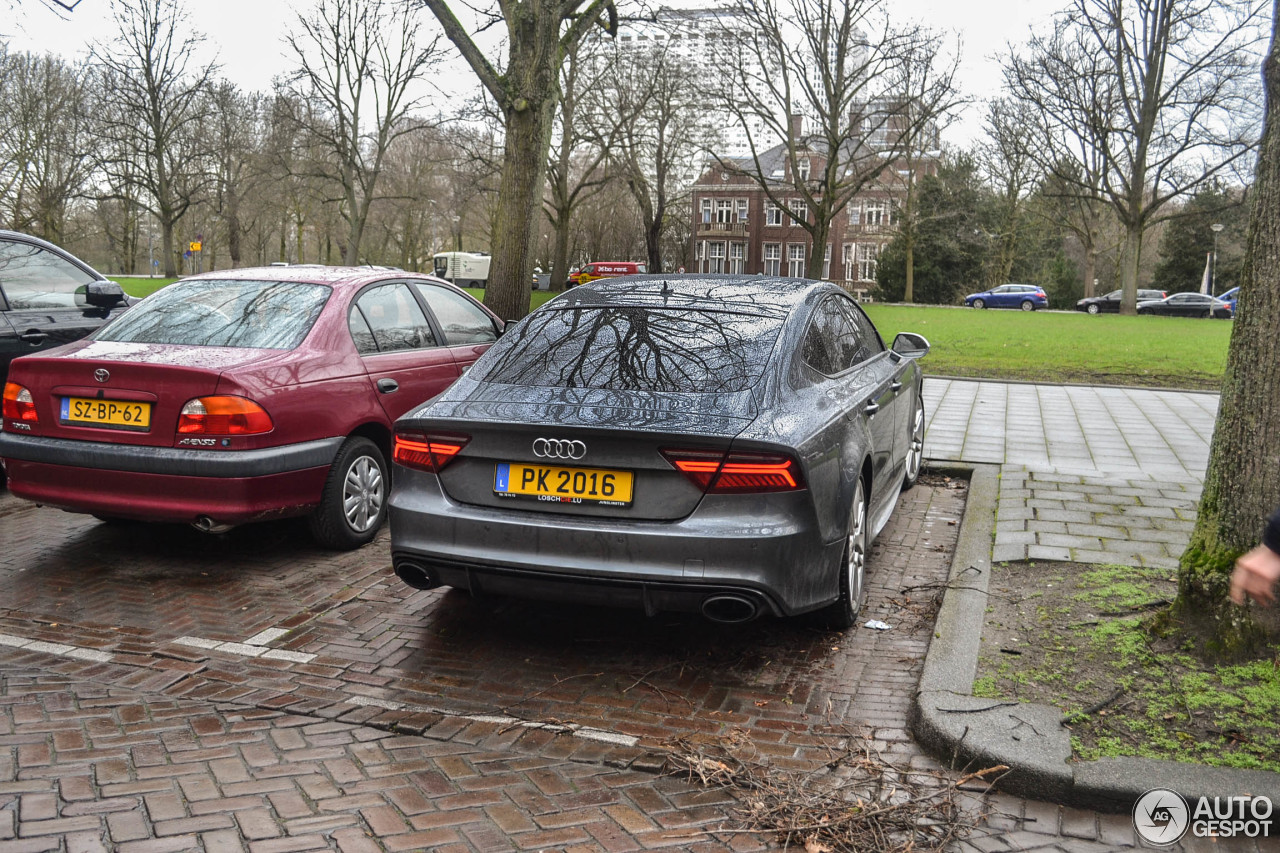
{"type": "Point", "coordinates": [223, 416]}
{"type": "Point", "coordinates": [18, 404]}
{"type": "Point", "coordinates": [739, 472]}
{"type": "Point", "coordinates": [1041, 294]}
{"type": "Point", "coordinates": [427, 451]}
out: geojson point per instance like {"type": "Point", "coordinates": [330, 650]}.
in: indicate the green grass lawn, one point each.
{"type": "Point", "coordinates": [1043, 346]}
{"type": "Point", "coordinates": [140, 286]}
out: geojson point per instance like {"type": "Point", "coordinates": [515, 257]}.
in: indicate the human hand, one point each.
{"type": "Point", "coordinates": [1255, 575]}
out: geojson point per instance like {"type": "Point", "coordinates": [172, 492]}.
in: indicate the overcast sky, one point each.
{"type": "Point", "coordinates": [247, 36]}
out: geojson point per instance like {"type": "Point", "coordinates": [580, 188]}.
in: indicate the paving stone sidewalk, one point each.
{"type": "Point", "coordinates": [1091, 474]}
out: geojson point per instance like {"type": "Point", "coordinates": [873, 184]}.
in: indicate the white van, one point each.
{"type": "Point", "coordinates": [465, 269]}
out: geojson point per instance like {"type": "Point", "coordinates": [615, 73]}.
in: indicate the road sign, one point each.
{"type": "Point", "coordinates": [194, 246]}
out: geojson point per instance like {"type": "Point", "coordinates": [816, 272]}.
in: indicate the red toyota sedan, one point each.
{"type": "Point", "coordinates": [239, 396]}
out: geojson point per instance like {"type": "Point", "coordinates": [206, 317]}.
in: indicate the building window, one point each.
{"type": "Point", "coordinates": [855, 212]}
{"type": "Point", "coordinates": [826, 264]}
{"type": "Point", "coordinates": [799, 210]}
{"type": "Point", "coordinates": [724, 211]}
{"type": "Point", "coordinates": [877, 213]}
{"type": "Point", "coordinates": [773, 259]}
{"type": "Point", "coordinates": [867, 254]}
{"type": "Point", "coordinates": [742, 210]}
{"type": "Point", "coordinates": [699, 252]}
{"type": "Point", "coordinates": [795, 260]}
{"type": "Point", "coordinates": [715, 259]}
{"type": "Point", "coordinates": [772, 214]}
{"type": "Point", "coordinates": [737, 258]}
{"type": "Point", "coordinates": [706, 211]}
{"type": "Point", "coordinates": [804, 169]}
{"type": "Point", "coordinates": [849, 258]}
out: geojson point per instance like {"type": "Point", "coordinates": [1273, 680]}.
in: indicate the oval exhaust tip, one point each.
{"type": "Point", "coordinates": [416, 576]}
{"type": "Point", "coordinates": [729, 609]}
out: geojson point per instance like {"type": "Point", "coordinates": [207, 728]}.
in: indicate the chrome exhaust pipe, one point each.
{"type": "Point", "coordinates": [205, 524]}
{"type": "Point", "coordinates": [729, 609]}
{"type": "Point", "coordinates": [416, 576]}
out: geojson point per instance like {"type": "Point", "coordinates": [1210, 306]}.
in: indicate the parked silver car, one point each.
{"type": "Point", "coordinates": [727, 445]}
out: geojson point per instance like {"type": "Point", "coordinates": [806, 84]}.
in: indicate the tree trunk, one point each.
{"type": "Point", "coordinates": [167, 248]}
{"type": "Point", "coordinates": [1130, 258]}
{"type": "Point", "coordinates": [1242, 484]}
{"type": "Point", "coordinates": [909, 254]}
{"type": "Point", "coordinates": [1090, 269]}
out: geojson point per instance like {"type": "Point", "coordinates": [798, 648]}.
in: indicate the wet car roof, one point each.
{"type": "Point", "coordinates": [750, 294]}
{"type": "Point", "coordinates": [308, 274]}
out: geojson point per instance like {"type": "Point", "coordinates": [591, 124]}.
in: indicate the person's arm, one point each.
{"type": "Point", "coordinates": [1257, 572]}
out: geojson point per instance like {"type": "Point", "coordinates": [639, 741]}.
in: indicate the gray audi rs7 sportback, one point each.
{"type": "Point", "coordinates": [728, 445]}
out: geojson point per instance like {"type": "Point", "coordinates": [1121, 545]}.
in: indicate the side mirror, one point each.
{"type": "Point", "coordinates": [105, 294]}
{"type": "Point", "coordinates": [910, 345]}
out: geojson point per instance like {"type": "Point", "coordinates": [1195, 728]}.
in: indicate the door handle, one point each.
{"type": "Point", "coordinates": [872, 408]}
{"type": "Point", "coordinates": [33, 337]}
{"type": "Point", "coordinates": [895, 385]}
{"type": "Point", "coordinates": [388, 386]}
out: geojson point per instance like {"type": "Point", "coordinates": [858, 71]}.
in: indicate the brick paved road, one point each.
{"type": "Point", "coordinates": [152, 700]}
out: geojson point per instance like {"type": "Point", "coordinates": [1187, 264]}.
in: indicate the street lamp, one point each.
{"type": "Point", "coordinates": [1213, 266]}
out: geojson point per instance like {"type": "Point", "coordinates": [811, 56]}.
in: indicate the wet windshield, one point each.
{"type": "Point", "coordinates": [635, 349]}
{"type": "Point", "coordinates": [210, 313]}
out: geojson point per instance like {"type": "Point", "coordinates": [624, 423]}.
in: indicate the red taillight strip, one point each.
{"type": "Point", "coordinates": [737, 472]}
{"type": "Point", "coordinates": [427, 452]}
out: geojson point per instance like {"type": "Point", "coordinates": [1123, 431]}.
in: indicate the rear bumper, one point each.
{"type": "Point", "coordinates": [759, 548]}
{"type": "Point", "coordinates": [168, 484]}
{"type": "Point", "coordinates": [169, 460]}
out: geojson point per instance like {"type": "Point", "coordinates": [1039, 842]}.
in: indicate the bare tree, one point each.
{"type": "Point", "coordinates": [1007, 165]}
{"type": "Point", "coordinates": [649, 114]}
{"type": "Point", "coordinates": [45, 141]}
{"type": "Point", "coordinates": [1152, 98]}
{"type": "Point", "coordinates": [574, 171]}
{"type": "Point", "coordinates": [359, 60]}
{"type": "Point", "coordinates": [539, 35]}
{"type": "Point", "coordinates": [847, 71]}
{"type": "Point", "coordinates": [154, 105]}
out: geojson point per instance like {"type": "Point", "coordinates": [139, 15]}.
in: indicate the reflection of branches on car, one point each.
{"type": "Point", "coordinates": [633, 348]}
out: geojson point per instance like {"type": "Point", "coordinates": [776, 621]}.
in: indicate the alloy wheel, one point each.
{"type": "Point", "coordinates": [362, 494]}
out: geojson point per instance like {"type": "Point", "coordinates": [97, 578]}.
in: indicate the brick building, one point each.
{"type": "Point", "coordinates": [738, 229]}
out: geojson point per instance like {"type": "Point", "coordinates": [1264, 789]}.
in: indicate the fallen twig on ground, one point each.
{"type": "Point", "coordinates": [856, 801]}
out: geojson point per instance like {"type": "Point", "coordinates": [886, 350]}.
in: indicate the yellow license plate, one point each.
{"type": "Point", "coordinates": [120, 414]}
{"type": "Point", "coordinates": [554, 484]}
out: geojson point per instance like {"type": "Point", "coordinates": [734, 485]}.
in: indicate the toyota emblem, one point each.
{"type": "Point", "coordinates": [558, 448]}
{"type": "Point", "coordinates": [101, 374]}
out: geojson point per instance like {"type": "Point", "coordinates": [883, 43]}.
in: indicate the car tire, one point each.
{"type": "Point", "coordinates": [979, 303]}
{"type": "Point", "coordinates": [1094, 309]}
{"type": "Point", "coordinates": [1207, 314]}
{"type": "Point", "coordinates": [353, 505]}
{"type": "Point", "coordinates": [914, 461]}
{"type": "Point", "coordinates": [1028, 305]}
{"type": "Point", "coordinates": [843, 613]}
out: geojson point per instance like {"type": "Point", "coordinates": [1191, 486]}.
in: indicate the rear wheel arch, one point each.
{"type": "Point", "coordinates": [380, 435]}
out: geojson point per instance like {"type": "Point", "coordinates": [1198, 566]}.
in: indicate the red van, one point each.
{"type": "Point", "coordinates": [610, 269]}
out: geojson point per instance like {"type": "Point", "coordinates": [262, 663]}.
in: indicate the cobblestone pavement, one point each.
{"type": "Point", "coordinates": [1096, 475]}
{"type": "Point", "coordinates": [165, 690]}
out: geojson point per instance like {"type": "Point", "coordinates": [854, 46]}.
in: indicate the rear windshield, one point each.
{"type": "Point", "coordinates": [627, 348]}
{"type": "Point", "coordinates": [211, 313]}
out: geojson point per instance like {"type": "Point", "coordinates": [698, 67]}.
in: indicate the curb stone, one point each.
{"type": "Point", "coordinates": [963, 730]}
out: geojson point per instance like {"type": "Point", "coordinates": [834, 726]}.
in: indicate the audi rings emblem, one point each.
{"type": "Point", "coordinates": [559, 448]}
{"type": "Point", "coordinates": [101, 375]}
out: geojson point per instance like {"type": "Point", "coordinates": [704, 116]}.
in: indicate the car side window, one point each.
{"type": "Point", "coordinates": [869, 341]}
{"type": "Point", "coordinates": [361, 334]}
{"type": "Point", "coordinates": [393, 318]}
{"type": "Point", "coordinates": [35, 278]}
{"type": "Point", "coordinates": [819, 347]}
{"type": "Point", "coordinates": [460, 319]}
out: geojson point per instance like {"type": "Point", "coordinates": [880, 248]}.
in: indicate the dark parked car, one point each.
{"type": "Point", "coordinates": [243, 395]}
{"type": "Point", "coordinates": [1187, 305]}
{"type": "Point", "coordinates": [1110, 303]}
{"type": "Point", "coordinates": [719, 444]}
{"type": "Point", "coordinates": [1028, 297]}
{"type": "Point", "coordinates": [49, 297]}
